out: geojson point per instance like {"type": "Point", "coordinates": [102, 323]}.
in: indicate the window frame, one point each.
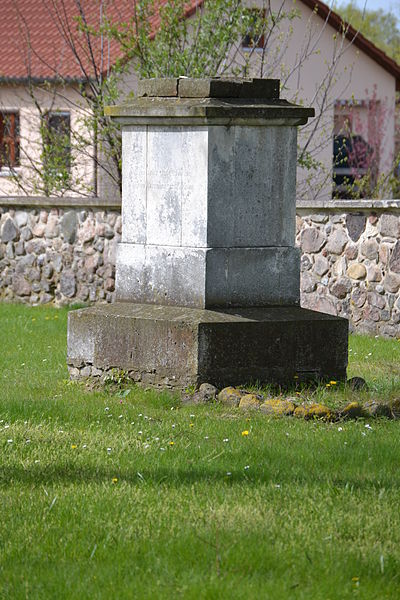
{"type": "Point", "coordinates": [10, 140]}
{"type": "Point", "coordinates": [259, 45]}
{"type": "Point", "coordinates": [54, 131]}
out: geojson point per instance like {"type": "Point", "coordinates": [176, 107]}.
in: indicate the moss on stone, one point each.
{"type": "Point", "coordinates": [353, 410]}
{"type": "Point", "coordinates": [314, 411]}
{"type": "Point", "coordinates": [300, 411]}
{"type": "Point", "coordinates": [249, 401]}
{"type": "Point", "coordinates": [230, 396]}
{"type": "Point", "coordinates": [319, 411]}
{"type": "Point", "coordinates": [278, 407]}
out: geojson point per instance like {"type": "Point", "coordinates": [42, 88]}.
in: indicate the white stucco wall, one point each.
{"type": "Point", "coordinates": [318, 66]}
{"type": "Point", "coordinates": [15, 98]}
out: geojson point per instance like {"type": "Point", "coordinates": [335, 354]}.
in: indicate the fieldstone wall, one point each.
{"type": "Point", "coordinates": [58, 255]}
{"type": "Point", "coordinates": [350, 258]}
{"type": "Point", "coordinates": [350, 263]}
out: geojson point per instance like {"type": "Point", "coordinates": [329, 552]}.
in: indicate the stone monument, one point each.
{"type": "Point", "coordinates": [208, 274]}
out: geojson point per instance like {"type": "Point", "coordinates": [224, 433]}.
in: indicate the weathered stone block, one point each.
{"type": "Point", "coordinates": [341, 288]}
{"type": "Point", "coordinates": [351, 252]}
{"type": "Point", "coordinates": [394, 261]}
{"type": "Point", "coordinates": [21, 286]}
{"type": "Point", "coordinates": [337, 242]}
{"type": "Point", "coordinates": [9, 231]}
{"type": "Point", "coordinates": [355, 225]}
{"type": "Point", "coordinates": [357, 271]}
{"type": "Point", "coordinates": [358, 297]}
{"type": "Point", "coordinates": [308, 283]}
{"type": "Point", "coordinates": [227, 347]}
{"type": "Point", "coordinates": [249, 401]}
{"type": "Point", "coordinates": [21, 218]}
{"type": "Point", "coordinates": [207, 277]}
{"type": "Point", "coordinates": [186, 87]}
{"type": "Point", "coordinates": [68, 284]}
{"type": "Point", "coordinates": [311, 240]}
{"type": "Point", "coordinates": [377, 300]}
{"type": "Point", "coordinates": [370, 249]}
{"type": "Point", "coordinates": [391, 283]}
{"type": "Point", "coordinates": [390, 226]}
{"type": "Point", "coordinates": [228, 88]}
{"type": "Point", "coordinates": [321, 265]}
{"type": "Point", "coordinates": [173, 192]}
{"type": "Point", "coordinates": [68, 225]}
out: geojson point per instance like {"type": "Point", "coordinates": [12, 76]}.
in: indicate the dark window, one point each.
{"type": "Point", "coordinates": [254, 36]}
{"type": "Point", "coordinates": [9, 139]}
{"type": "Point", "coordinates": [57, 141]}
{"type": "Point", "coordinates": [351, 161]}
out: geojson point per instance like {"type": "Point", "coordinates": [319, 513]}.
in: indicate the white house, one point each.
{"type": "Point", "coordinates": [321, 62]}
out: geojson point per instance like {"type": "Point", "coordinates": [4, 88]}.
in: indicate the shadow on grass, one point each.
{"type": "Point", "coordinates": [177, 477]}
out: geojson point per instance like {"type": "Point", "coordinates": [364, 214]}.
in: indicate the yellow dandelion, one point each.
{"type": "Point", "coordinates": [46, 318]}
{"type": "Point", "coordinates": [34, 319]}
{"type": "Point", "coordinates": [171, 443]}
{"type": "Point", "coordinates": [296, 377]}
{"type": "Point", "coordinates": [328, 385]}
{"type": "Point", "coordinates": [245, 432]}
{"type": "Point", "coordinates": [114, 480]}
{"type": "Point", "coordinates": [73, 446]}
{"type": "Point", "coordinates": [333, 382]}
{"type": "Point", "coordinates": [191, 425]}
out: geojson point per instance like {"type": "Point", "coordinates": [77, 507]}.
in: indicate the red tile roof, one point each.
{"type": "Point", "coordinates": [34, 34]}
{"type": "Point", "coordinates": [32, 41]}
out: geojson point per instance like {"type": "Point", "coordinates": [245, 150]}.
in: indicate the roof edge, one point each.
{"type": "Point", "coordinates": [359, 40]}
{"type": "Point", "coordinates": [40, 80]}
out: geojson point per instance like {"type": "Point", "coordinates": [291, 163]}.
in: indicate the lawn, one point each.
{"type": "Point", "coordinates": [125, 494]}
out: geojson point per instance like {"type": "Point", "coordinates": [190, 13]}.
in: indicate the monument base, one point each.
{"type": "Point", "coordinates": [177, 347]}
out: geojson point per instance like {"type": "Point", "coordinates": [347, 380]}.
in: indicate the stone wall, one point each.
{"type": "Point", "coordinates": [59, 255]}
{"type": "Point", "coordinates": [350, 263]}
{"type": "Point", "coordinates": [350, 257]}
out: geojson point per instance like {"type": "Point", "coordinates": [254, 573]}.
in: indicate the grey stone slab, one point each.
{"type": "Point", "coordinates": [177, 186]}
{"type": "Point", "coordinates": [216, 87]}
{"type": "Point", "coordinates": [355, 224]}
{"type": "Point", "coordinates": [207, 186]}
{"type": "Point", "coordinates": [81, 335]}
{"type": "Point", "coordinates": [68, 224]}
{"type": "Point", "coordinates": [166, 86]}
{"type": "Point", "coordinates": [160, 274]}
{"type": "Point", "coordinates": [209, 111]}
{"type": "Point", "coordinates": [252, 276]}
{"type": "Point", "coordinates": [228, 88]}
{"type": "Point", "coordinates": [188, 346]}
{"type": "Point", "coordinates": [200, 277]}
{"type": "Point", "coordinates": [252, 186]}
{"type": "Point", "coordinates": [134, 184]}
{"type": "Point", "coordinates": [9, 231]}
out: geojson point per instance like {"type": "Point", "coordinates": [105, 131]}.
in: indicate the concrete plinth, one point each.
{"type": "Point", "coordinates": [169, 346]}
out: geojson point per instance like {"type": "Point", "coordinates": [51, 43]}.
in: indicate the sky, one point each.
{"type": "Point", "coordinates": [387, 5]}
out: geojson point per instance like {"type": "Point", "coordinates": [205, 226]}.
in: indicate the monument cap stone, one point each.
{"type": "Point", "coordinates": [215, 87]}
{"type": "Point", "coordinates": [214, 101]}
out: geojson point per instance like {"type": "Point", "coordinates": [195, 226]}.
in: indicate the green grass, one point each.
{"type": "Point", "coordinates": [292, 510]}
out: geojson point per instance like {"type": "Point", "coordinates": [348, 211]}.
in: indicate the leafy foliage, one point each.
{"type": "Point", "coordinates": [379, 26]}
{"type": "Point", "coordinates": [179, 46]}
